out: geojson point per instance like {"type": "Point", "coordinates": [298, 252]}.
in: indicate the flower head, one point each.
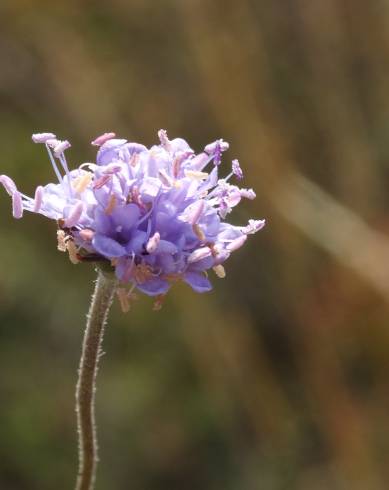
{"type": "Point", "coordinates": [155, 215]}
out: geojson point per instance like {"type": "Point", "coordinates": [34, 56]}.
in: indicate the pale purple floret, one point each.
{"type": "Point", "coordinates": [155, 215]}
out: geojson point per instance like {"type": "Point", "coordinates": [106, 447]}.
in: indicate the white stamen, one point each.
{"type": "Point", "coordinates": [17, 205]}
{"type": "Point", "coordinates": [253, 226]}
{"type": "Point", "coordinates": [82, 182]}
{"type": "Point", "coordinates": [74, 215]}
{"type": "Point", "coordinates": [237, 243]}
{"type": "Point", "coordinates": [100, 140]}
{"type": "Point", "coordinates": [72, 250]}
{"type": "Point", "coordinates": [42, 137]}
{"type": "Point", "coordinates": [199, 254]}
{"type": "Point", "coordinates": [196, 175]}
{"type": "Point", "coordinates": [61, 147]}
{"type": "Point", "coordinates": [198, 231]}
{"type": "Point", "coordinates": [61, 239]}
{"type": "Point", "coordinates": [38, 199]}
{"type": "Point", "coordinates": [211, 148]}
{"type": "Point", "coordinates": [8, 184]}
{"type": "Point", "coordinates": [153, 243]}
{"type": "Point", "coordinates": [57, 172]}
{"type": "Point", "coordinates": [248, 193]}
{"type": "Point", "coordinates": [165, 142]}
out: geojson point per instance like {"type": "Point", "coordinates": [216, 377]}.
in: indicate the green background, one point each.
{"type": "Point", "coordinates": [278, 379]}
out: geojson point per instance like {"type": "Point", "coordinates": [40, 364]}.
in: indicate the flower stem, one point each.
{"type": "Point", "coordinates": [86, 385]}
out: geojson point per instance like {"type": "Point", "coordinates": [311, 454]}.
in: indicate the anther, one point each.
{"type": "Point", "coordinates": [17, 205]}
{"type": "Point", "coordinates": [81, 183]}
{"type": "Point", "coordinates": [153, 243]}
{"type": "Point", "coordinates": [111, 204]}
{"type": "Point", "coordinates": [219, 271]}
{"type": "Point", "coordinates": [38, 198]}
{"type": "Point", "coordinates": [198, 231]}
{"type": "Point", "coordinates": [100, 140]}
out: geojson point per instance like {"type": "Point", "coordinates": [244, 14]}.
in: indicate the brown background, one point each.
{"type": "Point", "coordinates": [278, 379]}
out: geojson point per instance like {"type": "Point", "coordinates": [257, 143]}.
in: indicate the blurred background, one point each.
{"type": "Point", "coordinates": [278, 379]}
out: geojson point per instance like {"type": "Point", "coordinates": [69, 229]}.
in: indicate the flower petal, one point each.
{"type": "Point", "coordinates": [197, 281]}
{"type": "Point", "coordinates": [107, 246]}
{"type": "Point", "coordinates": [154, 286]}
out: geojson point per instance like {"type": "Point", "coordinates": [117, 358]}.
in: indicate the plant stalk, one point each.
{"type": "Point", "coordinates": [86, 385]}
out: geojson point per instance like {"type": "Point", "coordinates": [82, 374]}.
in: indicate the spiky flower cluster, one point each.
{"type": "Point", "coordinates": [155, 215]}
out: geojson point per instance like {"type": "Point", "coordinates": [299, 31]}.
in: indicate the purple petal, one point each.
{"type": "Point", "coordinates": [154, 286]}
{"type": "Point", "coordinates": [166, 247]}
{"type": "Point", "coordinates": [107, 246]}
{"type": "Point", "coordinates": [124, 269]}
{"type": "Point", "coordinates": [135, 245]}
{"type": "Point", "coordinates": [126, 216]}
{"type": "Point", "coordinates": [197, 281]}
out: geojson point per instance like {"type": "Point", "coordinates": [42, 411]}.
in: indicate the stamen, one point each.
{"type": "Point", "coordinates": [57, 172]}
{"type": "Point", "coordinates": [42, 137]}
{"type": "Point", "coordinates": [8, 184]}
{"type": "Point", "coordinates": [128, 273]}
{"type": "Point", "coordinates": [17, 205]}
{"type": "Point", "coordinates": [200, 161]}
{"type": "Point", "coordinates": [59, 153]}
{"type": "Point", "coordinates": [100, 140]}
{"type": "Point", "coordinates": [61, 239]}
{"type": "Point", "coordinates": [101, 181]}
{"type": "Point", "coordinates": [236, 170]}
{"type": "Point", "coordinates": [111, 204]}
{"type": "Point", "coordinates": [248, 193]}
{"type": "Point", "coordinates": [196, 175]}
{"type": "Point", "coordinates": [142, 273]}
{"type": "Point", "coordinates": [38, 199]}
{"type": "Point", "coordinates": [165, 142]}
{"type": "Point", "coordinates": [237, 243]}
{"type": "Point", "coordinates": [122, 295]}
{"type": "Point", "coordinates": [198, 231]}
{"type": "Point", "coordinates": [153, 243]}
{"type": "Point", "coordinates": [81, 183]}
{"type": "Point", "coordinates": [72, 250]}
{"type": "Point", "coordinates": [219, 271]}
{"type": "Point", "coordinates": [61, 147]}
{"type": "Point", "coordinates": [74, 215]}
{"type": "Point", "coordinates": [253, 226]}
{"type": "Point", "coordinates": [199, 254]}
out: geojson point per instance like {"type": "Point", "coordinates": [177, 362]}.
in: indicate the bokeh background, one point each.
{"type": "Point", "coordinates": [278, 379]}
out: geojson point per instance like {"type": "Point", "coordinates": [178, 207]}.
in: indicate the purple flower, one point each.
{"type": "Point", "coordinates": [155, 215]}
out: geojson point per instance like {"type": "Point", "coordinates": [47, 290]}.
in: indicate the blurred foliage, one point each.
{"type": "Point", "coordinates": [278, 379]}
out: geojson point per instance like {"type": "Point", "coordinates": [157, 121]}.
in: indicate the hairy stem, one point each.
{"type": "Point", "coordinates": [86, 385]}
